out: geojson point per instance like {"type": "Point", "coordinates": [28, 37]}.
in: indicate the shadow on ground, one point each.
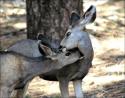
{"type": "Point", "coordinates": [112, 90]}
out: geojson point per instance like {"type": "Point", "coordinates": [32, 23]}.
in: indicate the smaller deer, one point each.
{"type": "Point", "coordinates": [17, 68]}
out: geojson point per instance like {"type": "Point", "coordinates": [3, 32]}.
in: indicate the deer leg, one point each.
{"type": "Point", "coordinates": [64, 88]}
{"type": "Point", "coordinates": [21, 92]}
{"type": "Point", "coordinates": [78, 88]}
{"type": "Point", "coordinates": [4, 92]}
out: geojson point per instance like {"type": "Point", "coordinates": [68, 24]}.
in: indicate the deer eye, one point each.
{"type": "Point", "coordinates": [68, 33]}
{"type": "Point", "coordinates": [67, 54]}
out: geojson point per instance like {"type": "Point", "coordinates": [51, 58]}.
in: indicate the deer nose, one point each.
{"type": "Point", "coordinates": [61, 48]}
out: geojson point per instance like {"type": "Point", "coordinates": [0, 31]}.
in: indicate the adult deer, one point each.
{"type": "Point", "coordinates": [17, 68]}
{"type": "Point", "coordinates": [76, 37]}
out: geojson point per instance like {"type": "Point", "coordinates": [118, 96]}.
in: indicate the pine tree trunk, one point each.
{"type": "Point", "coordinates": [50, 17]}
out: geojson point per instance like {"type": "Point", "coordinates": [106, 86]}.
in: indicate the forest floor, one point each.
{"type": "Point", "coordinates": [106, 79]}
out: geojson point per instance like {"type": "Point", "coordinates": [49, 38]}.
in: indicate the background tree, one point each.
{"type": "Point", "coordinates": [50, 17]}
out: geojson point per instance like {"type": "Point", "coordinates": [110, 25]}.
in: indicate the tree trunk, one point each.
{"type": "Point", "coordinates": [50, 17]}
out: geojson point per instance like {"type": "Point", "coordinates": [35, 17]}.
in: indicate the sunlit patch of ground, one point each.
{"type": "Point", "coordinates": [12, 16]}
{"type": "Point", "coordinates": [106, 78]}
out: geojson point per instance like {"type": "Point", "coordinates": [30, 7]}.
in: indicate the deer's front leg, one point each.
{"type": "Point", "coordinates": [64, 88]}
{"type": "Point", "coordinates": [78, 88]}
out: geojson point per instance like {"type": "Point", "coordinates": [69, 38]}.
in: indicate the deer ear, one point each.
{"type": "Point", "coordinates": [89, 16]}
{"type": "Point", "coordinates": [45, 40]}
{"type": "Point", "coordinates": [39, 36]}
{"type": "Point", "coordinates": [74, 18]}
{"type": "Point", "coordinates": [47, 51]}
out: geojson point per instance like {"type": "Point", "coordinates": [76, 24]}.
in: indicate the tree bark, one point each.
{"type": "Point", "coordinates": [50, 17]}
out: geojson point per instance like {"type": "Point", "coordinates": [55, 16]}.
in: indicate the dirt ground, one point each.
{"type": "Point", "coordinates": [106, 78]}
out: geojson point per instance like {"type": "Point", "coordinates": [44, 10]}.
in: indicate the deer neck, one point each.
{"type": "Point", "coordinates": [43, 65]}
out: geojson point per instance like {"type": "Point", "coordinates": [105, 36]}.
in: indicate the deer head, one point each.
{"type": "Point", "coordinates": [63, 58]}
{"type": "Point", "coordinates": [75, 36]}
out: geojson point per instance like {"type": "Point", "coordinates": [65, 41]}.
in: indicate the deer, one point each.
{"type": "Point", "coordinates": [75, 39]}
{"type": "Point", "coordinates": [17, 68]}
